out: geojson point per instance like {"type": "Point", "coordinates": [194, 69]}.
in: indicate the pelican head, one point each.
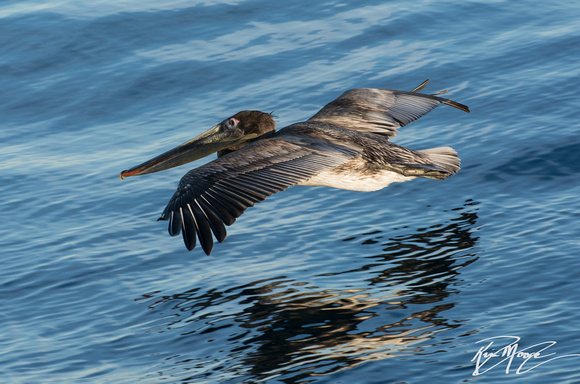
{"type": "Point", "coordinates": [230, 135]}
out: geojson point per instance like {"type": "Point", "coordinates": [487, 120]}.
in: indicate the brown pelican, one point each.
{"type": "Point", "coordinates": [345, 145]}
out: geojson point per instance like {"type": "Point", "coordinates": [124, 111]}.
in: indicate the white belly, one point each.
{"type": "Point", "coordinates": [353, 181]}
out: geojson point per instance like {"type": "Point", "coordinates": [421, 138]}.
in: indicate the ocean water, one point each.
{"type": "Point", "coordinates": [314, 285]}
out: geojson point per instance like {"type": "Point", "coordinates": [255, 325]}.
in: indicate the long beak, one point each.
{"type": "Point", "coordinates": [203, 145]}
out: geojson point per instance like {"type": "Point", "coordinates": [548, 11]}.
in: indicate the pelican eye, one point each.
{"type": "Point", "coordinates": [232, 122]}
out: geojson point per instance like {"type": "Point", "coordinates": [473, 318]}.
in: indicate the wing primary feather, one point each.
{"type": "Point", "coordinates": [215, 221]}
{"type": "Point", "coordinates": [223, 212]}
{"type": "Point", "coordinates": [202, 227]}
{"type": "Point", "coordinates": [230, 200]}
{"type": "Point", "coordinates": [174, 223]}
{"type": "Point", "coordinates": [424, 84]}
{"type": "Point", "coordinates": [234, 210]}
{"type": "Point", "coordinates": [421, 86]}
{"type": "Point", "coordinates": [188, 229]}
{"type": "Point", "coordinates": [170, 226]}
{"type": "Point", "coordinates": [457, 105]}
{"type": "Point", "coordinates": [164, 215]}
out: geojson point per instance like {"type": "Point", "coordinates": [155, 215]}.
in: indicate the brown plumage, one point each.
{"type": "Point", "coordinates": [345, 145]}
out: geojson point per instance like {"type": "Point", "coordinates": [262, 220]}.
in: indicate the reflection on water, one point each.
{"type": "Point", "coordinates": [293, 330]}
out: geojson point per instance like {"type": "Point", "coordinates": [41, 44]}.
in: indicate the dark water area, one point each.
{"type": "Point", "coordinates": [314, 285]}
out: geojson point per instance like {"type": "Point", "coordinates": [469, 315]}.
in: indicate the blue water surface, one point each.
{"type": "Point", "coordinates": [314, 285]}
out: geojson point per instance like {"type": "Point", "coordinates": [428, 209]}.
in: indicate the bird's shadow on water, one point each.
{"type": "Point", "coordinates": [292, 330]}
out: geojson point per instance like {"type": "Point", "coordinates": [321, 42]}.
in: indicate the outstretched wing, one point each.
{"type": "Point", "coordinates": [380, 111]}
{"type": "Point", "coordinates": [218, 192]}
